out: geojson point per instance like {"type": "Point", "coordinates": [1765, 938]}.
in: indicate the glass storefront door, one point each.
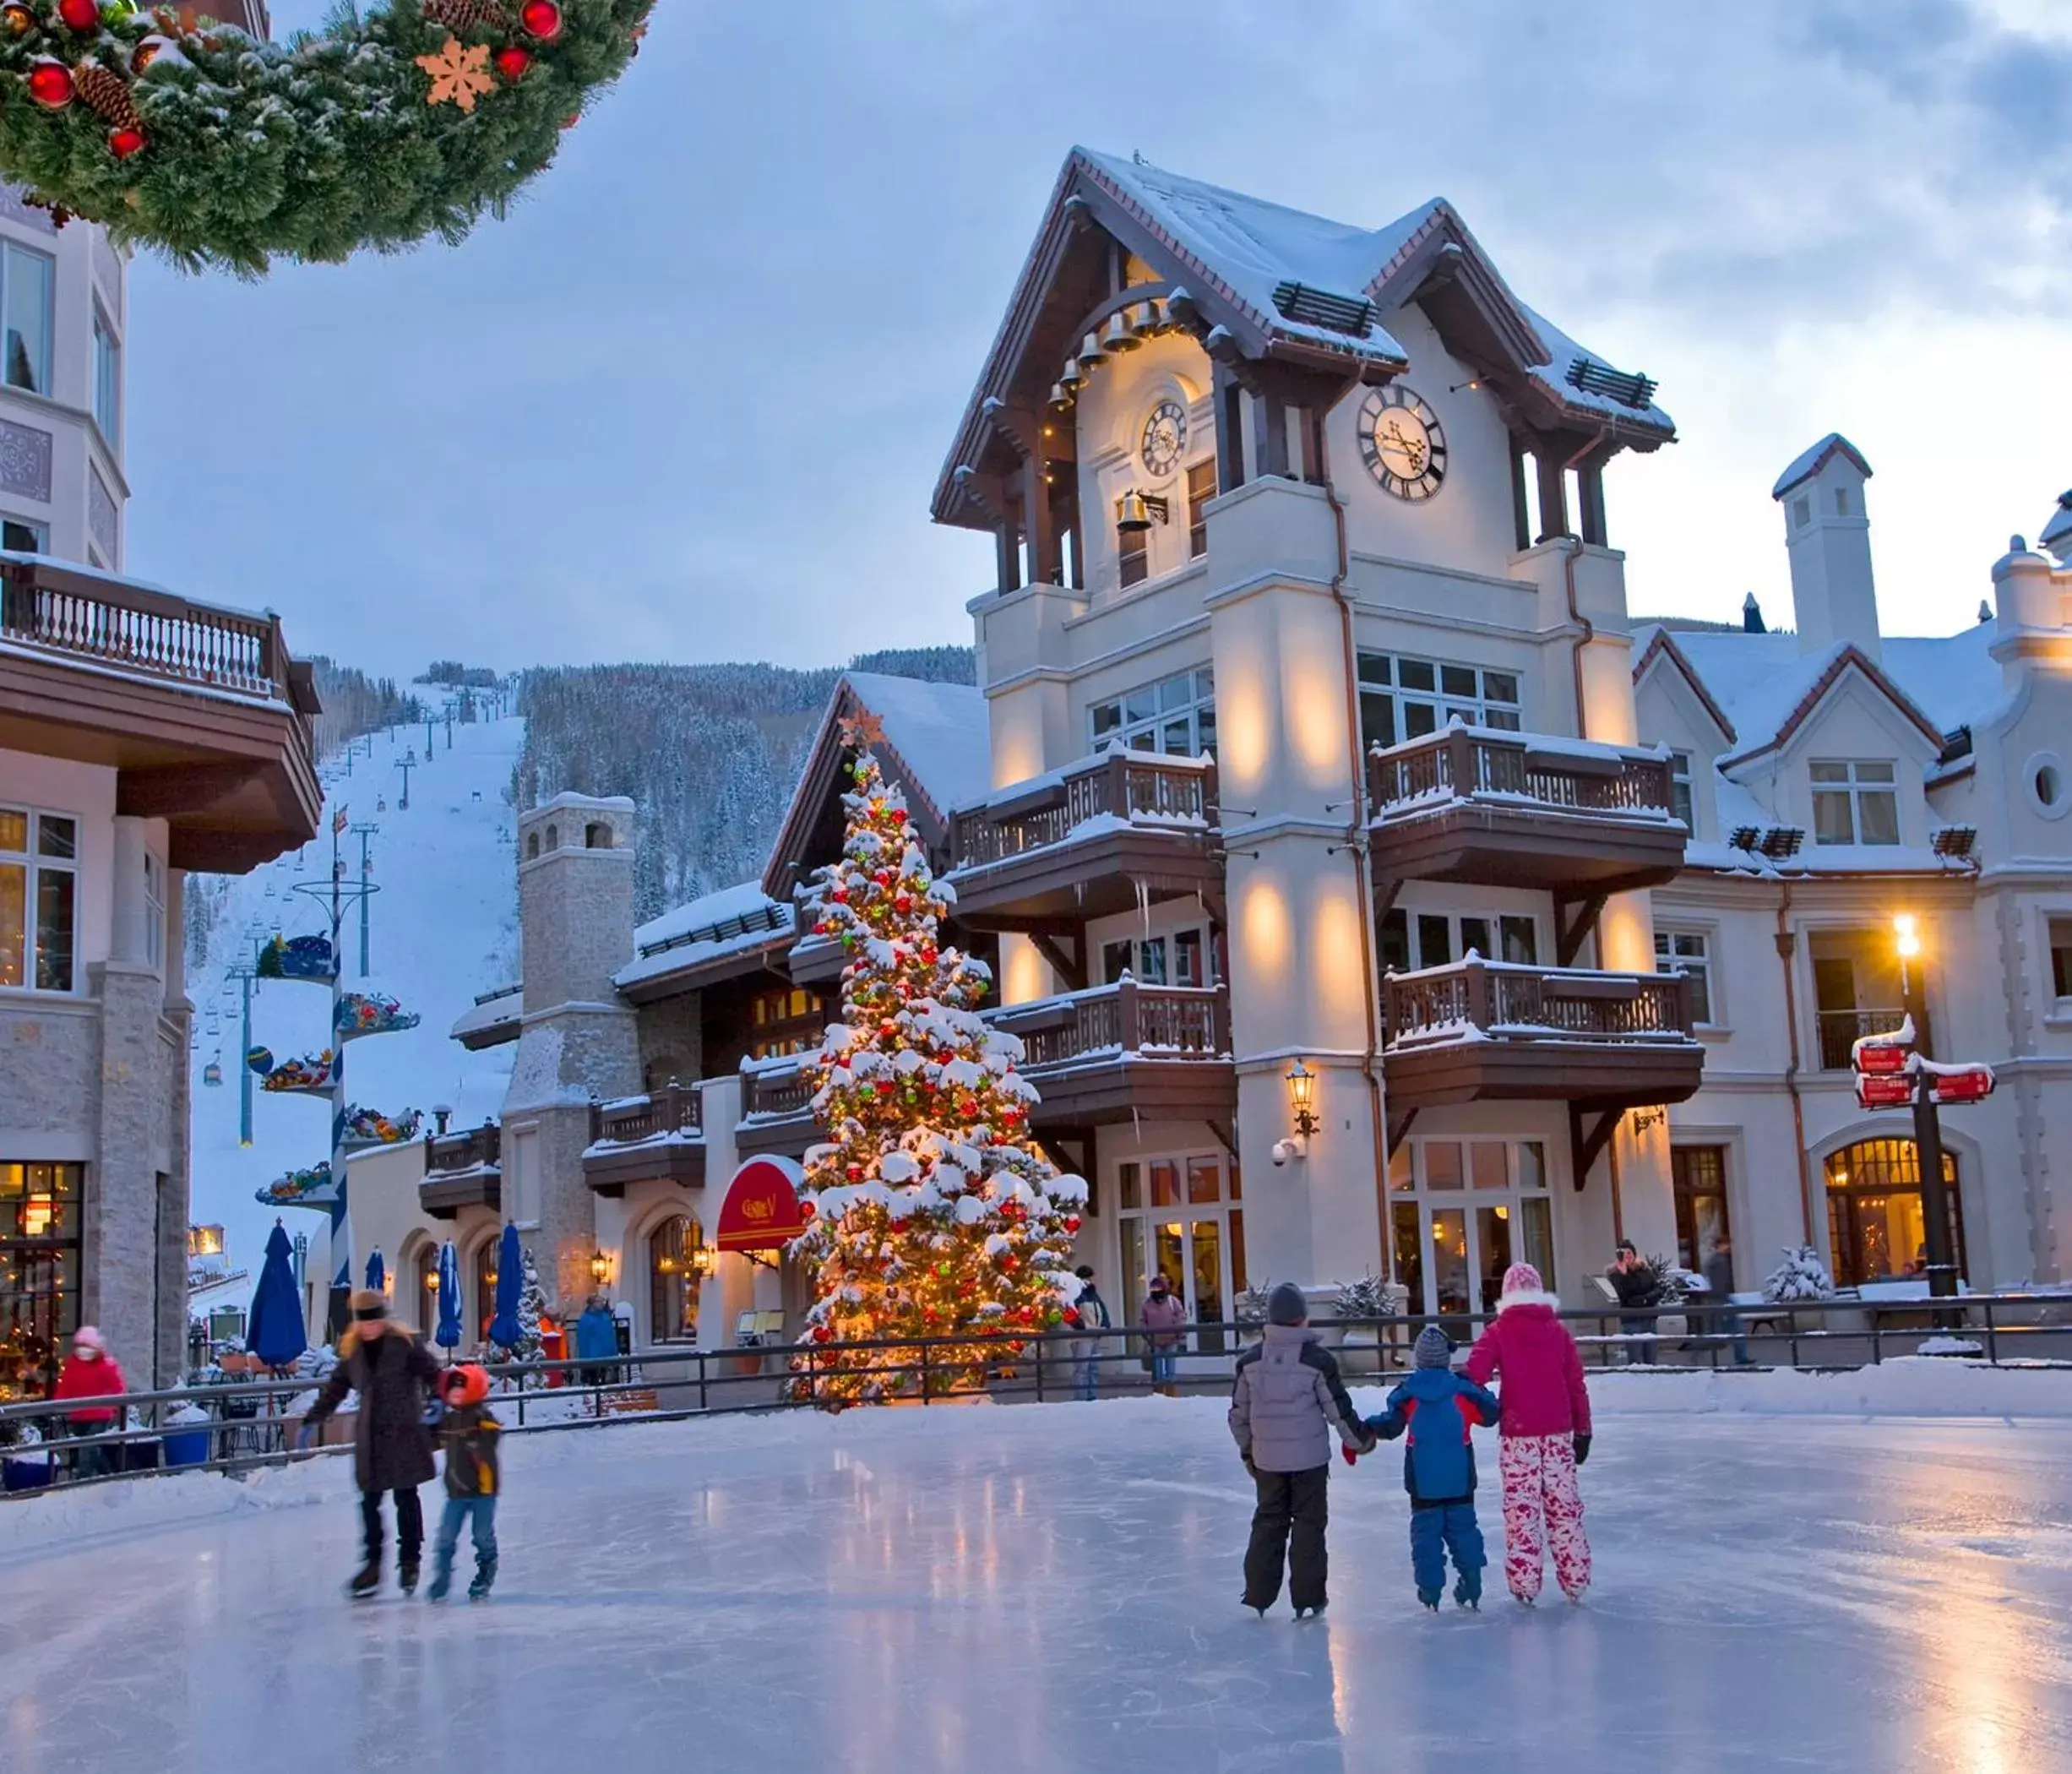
{"type": "Point", "coordinates": [1462, 1212]}
{"type": "Point", "coordinates": [1180, 1217]}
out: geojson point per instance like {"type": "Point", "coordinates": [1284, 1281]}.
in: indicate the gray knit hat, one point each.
{"type": "Point", "coordinates": [1435, 1349]}
{"type": "Point", "coordinates": [1286, 1306]}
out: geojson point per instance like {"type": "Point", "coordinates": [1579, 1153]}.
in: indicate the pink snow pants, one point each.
{"type": "Point", "coordinates": [1543, 1511]}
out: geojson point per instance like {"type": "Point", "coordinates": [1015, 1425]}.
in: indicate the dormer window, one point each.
{"type": "Point", "coordinates": [1680, 788]}
{"type": "Point", "coordinates": [1801, 511]}
{"type": "Point", "coordinates": [1855, 803]}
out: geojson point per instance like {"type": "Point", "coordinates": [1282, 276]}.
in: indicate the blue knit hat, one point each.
{"type": "Point", "coordinates": [1435, 1349]}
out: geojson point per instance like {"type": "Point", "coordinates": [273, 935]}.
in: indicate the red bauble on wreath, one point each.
{"type": "Point", "coordinates": [512, 61]}
{"type": "Point", "coordinates": [123, 143]}
{"type": "Point", "coordinates": [81, 15]}
{"type": "Point", "coordinates": [50, 84]}
{"type": "Point", "coordinates": [541, 19]}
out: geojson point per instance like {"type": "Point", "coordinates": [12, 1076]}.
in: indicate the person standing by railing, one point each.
{"type": "Point", "coordinates": [1633, 1282]}
{"type": "Point", "coordinates": [90, 1372]}
{"type": "Point", "coordinates": [1164, 1313]}
{"type": "Point", "coordinates": [1093, 1312]}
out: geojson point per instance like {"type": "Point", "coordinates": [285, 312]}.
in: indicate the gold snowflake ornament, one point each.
{"type": "Point", "coordinates": [460, 73]}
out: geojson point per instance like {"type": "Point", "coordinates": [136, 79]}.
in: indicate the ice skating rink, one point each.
{"type": "Point", "coordinates": [1055, 1589]}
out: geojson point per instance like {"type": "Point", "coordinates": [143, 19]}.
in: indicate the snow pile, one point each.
{"type": "Point", "coordinates": [1927, 1386]}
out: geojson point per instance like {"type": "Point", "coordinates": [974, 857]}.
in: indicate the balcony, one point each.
{"type": "Point", "coordinates": [1841, 1030]}
{"type": "Point", "coordinates": [1500, 809]}
{"type": "Point", "coordinates": [776, 1107]}
{"type": "Point", "coordinates": [1087, 841]}
{"type": "Point", "coordinates": [658, 1138]}
{"type": "Point", "coordinates": [1127, 1052]}
{"type": "Point", "coordinates": [198, 708]}
{"type": "Point", "coordinates": [1486, 1031]}
{"type": "Point", "coordinates": [462, 1170]}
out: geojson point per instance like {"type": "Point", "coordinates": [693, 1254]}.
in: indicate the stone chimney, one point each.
{"type": "Point", "coordinates": [1827, 530]}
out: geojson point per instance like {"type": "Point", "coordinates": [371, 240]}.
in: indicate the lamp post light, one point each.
{"type": "Point", "coordinates": [1302, 1099]}
{"type": "Point", "coordinates": [1942, 1263]}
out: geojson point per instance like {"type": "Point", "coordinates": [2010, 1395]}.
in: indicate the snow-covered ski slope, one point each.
{"type": "Point", "coordinates": [1054, 1590]}
{"type": "Point", "coordinates": [442, 927]}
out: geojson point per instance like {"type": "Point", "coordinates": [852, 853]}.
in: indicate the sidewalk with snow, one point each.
{"type": "Point", "coordinates": [1859, 1571]}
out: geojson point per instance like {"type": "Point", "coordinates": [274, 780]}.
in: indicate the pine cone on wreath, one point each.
{"type": "Point", "coordinates": [108, 94]}
{"type": "Point", "coordinates": [464, 14]}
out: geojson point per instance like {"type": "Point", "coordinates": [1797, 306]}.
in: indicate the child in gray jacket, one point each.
{"type": "Point", "coordinates": [1286, 1402]}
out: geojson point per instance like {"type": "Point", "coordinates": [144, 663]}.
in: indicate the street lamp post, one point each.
{"type": "Point", "coordinates": [1942, 1264]}
{"type": "Point", "coordinates": [406, 765]}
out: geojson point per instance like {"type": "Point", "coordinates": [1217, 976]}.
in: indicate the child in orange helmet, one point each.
{"type": "Point", "coordinates": [469, 1431]}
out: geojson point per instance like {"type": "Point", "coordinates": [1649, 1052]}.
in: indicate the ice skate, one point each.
{"type": "Point", "coordinates": [365, 1582]}
{"type": "Point", "coordinates": [1429, 1597]}
{"type": "Point", "coordinates": [1312, 1614]}
{"type": "Point", "coordinates": [406, 1576]}
{"type": "Point", "coordinates": [484, 1576]}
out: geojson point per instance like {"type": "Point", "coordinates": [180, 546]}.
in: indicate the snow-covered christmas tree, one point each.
{"type": "Point", "coordinates": [1802, 1276]}
{"type": "Point", "coordinates": [931, 1212]}
{"type": "Point", "coordinates": [531, 1306]}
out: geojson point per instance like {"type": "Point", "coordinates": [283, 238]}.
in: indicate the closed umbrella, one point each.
{"type": "Point", "coordinates": [274, 1334]}
{"type": "Point", "coordinates": [510, 1285]}
{"type": "Point", "coordinates": [377, 1271]}
{"type": "Point", "coordinates": [447, 1335]}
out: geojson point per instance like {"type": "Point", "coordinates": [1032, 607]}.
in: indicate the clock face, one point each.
{"type": "Point", "coordinates": [1401, 442]}
{"type": "Point", "coordinates": [1165, 437]}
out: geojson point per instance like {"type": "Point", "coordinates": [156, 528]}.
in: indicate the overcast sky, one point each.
{"type": "Point", "coordinates": [689, 401]}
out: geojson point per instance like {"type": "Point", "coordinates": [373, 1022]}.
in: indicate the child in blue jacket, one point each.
{"type": "Point", "coordinates": [1439, 1410]}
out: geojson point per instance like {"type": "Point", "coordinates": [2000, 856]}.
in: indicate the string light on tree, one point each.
{"type": "Point", "coordinates": [930, 1212]}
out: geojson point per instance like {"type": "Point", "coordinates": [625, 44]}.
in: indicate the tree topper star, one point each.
{"type": "Point", "coordinates": [861, 730]}
{"type": "Point", "coordinates": [459, 73]}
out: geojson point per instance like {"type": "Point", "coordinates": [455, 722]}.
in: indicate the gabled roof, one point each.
{"type": "Point", "coordinates": [1808, 463]}
{"type": "Point", "coordinates": [1251, 271]}
{"type": "Point", "coordinates": [1663, 646]}
{"type": "Point", "coordinates": [2056, 536]}
{"type": "Point", "coordinates": [1769, 689]}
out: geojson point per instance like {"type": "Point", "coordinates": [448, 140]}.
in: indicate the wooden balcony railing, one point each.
{"type": "Point", "coordinates": [1184, 1022]}
{"type": "Point", "coordinates": [674, 1109]}
{"type": "Point", "coordinates": [134, 629]}
{"type": "Point", "coordinates": [463, 1150]}
{"type": "Point", "coordinates": [1132, 785]}
{"type": "Point", "coordinates": [778, 1091]}
{"type": "Point", "coordinates": [1458, 763]}
{"type": "Point", "coordinates": [1513, 1003]}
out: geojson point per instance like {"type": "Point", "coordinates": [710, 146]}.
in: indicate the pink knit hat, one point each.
{"type": "Point", "coordinates": [1521, 1278]}
{"type": "Point", "coordinates": [87, 1338]}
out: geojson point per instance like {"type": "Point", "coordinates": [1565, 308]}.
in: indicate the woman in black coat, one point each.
{"type": "Point", "coordinates": [392, 1371]}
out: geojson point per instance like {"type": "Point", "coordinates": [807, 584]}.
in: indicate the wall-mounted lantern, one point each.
{"type": "Point", "coordinates": [1302, 1099]}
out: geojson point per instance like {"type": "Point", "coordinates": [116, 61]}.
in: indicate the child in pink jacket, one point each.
{"type": "Point", "coordinates": [1544, 1436]}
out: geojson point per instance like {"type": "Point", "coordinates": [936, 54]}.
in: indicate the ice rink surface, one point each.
{"type": "Point", "coordinates": [1055, 1589]}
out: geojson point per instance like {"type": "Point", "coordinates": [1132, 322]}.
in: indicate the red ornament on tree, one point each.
{"type": "Point", "coordinates": [807, 1210]}
{"type": "Point", "coordinates": [927, 955]}
{"type": "Point", "coordinates": [542, 18]}
{"type": "Point", "coordinates": [1072, 1222]}
{"type": "Point", "coordinates": [50, 84]}
{"type": "Point", "coordinates": [1072, 1314]}
{"type": "Point", "coordinates": [81, 15]}
{"type": "Point", "coordinates": [125, 142]}
{"type": "Point", "coordinates": [821, 1333]}
{"type": "Point", "coordinates": [905, 902]}
{"type": "Point", "coordinates": [512, 61]}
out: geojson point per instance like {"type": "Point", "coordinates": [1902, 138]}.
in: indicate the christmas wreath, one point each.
{"type": "Point", "coordinates": [175, 132]}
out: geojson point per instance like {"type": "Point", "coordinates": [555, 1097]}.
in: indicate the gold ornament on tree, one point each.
{"type": "Point", "coordinates": [460, 73]}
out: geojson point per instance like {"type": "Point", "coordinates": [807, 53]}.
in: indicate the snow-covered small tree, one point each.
{"type": "Point", "coordinates": [1368, 1297]}
{"type": "Point", "coordinates": [531, 1308]}
{"type": "Point", "coordinates": [1252, 1303]}
{"type": "Point", "coordinates": [932, 1212]}
{"type": "Point", "coordinates": [1802, 1276]}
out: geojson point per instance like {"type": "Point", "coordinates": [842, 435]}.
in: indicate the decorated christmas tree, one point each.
{"type": "Point", "coordinates": [931, 1211]}
{"type": "Point", "coordinates": [531, 1306]}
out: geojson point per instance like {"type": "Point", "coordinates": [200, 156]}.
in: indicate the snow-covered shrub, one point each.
{"type": "Point", "coordinates": [1370, 1296]}
{"type": "Point", "coordinates": [1252, 1302]}
{"type": "Point", "coordinates": [1802, 1276]}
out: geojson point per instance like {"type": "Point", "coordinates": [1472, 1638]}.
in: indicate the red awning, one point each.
{"type": "Point", "coordinates": [761, 1209]}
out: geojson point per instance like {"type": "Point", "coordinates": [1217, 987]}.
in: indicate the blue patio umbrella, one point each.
{"type": "Point", "coordinates": [510, 1284]}
{"type": "Point", "coordinates": [447, 1335]}
{"type": "Point", "coordinates": [377, 1271]}
{"type": "Point", "coordinates": [274, 1334]}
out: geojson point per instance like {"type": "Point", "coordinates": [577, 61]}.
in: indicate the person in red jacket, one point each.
{"type": "Point", "coordinates": [90, 1372]}
{"type": "Point", "coordinates": [1544, 1435]}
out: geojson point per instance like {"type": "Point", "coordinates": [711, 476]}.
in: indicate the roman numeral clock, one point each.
{"type": "Point", "coordinates": [1401, 442]}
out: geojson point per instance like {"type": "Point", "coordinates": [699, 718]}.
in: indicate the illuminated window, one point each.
{"type": "Point", "coordinates": [673, 1281]}
{"type": "Point", "coordinates": [1462, 1212]}
{"type": "Point", "coordinates": [786, 1019]}
{"type": "Point", "coordinates": [39, 899]}
{"type": "Point", "coordinates": [39, 1208]}
{"type": "Point", "coordinates": [1873, 1211]}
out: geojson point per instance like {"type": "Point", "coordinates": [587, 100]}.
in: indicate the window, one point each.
{"type": "Point", "coordinates": [39, 899]}
{"type": "Point", "coordinates": [1801, 511]}
{"type": "Point", "coordinates": [422, 1309]}
{"type": "Point", "coordinates": [1680, 789]}
{"type": "Point", "coordinates": [1201, 489]}
{"type": "Point", "coordinates": [1180, 959]}
{"type": "Point", "coordinates": [153, 911]}
{"type": "Point", "coordinates": [788, 1019]}
{"type": "Point", "coordinates": [1855, 803]}
{"type": "Point", "coordinates": [1873, 1211]}
{"type": "Point", "coordinates": [1463, 1210]}
{"type": "Point", "coordinates": [2061, 957]}
{"type": "Point", "coordinates": [1176, 716]}
{"type": "Point", "coordinates": [25, 286]}
{"type": "Point", "coordinates": [1181, 1217]}
{"type": "Point", "coordinates": [1698, 1175]}
{"type": "Point", "coordinates": [1405, 699]}
{"type": "Point", "coordinates": [20, 536]}
{"type": "Point", "coordinates": [1441, 938]}
{"type": "Point", "coordinates": [1133, 549]}
{"type": "Point", "coordinates": [484, 1265]}
{"type": "Point", "coordinates": [673, 1281]}
{"type": "Point", "coordinates": [40, 1206]}
{"type": "Point", "coordinates": [1691, 951]}
{"type": "Point", "coordinates": [108, 380]}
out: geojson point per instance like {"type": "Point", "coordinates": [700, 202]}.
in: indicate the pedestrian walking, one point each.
{"type": "Point", "coordinates": [1633, 1282]}
{"type": "Point", "coordinates": [1284, 1403]}
{"type": "Point", "coordinates": [1164, 1313]}
{"type": "Point", "coordinates": [468, 1430]}
{"type": "Point", "coordinates": [90, 1372]}
{"type": "Point", "coordinates": [392, 1372]}
{"type": "Point", "coordinates": [1543, 1437]}
{"type": "Point", "coordinates": [1720, 1283]}
{"type": "Point", "coordinates": [1093, 1314]}
{"type": "Point", "coordinates": [1439, 1410]}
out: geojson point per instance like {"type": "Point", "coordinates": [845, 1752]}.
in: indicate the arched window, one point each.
{"type": "Point", "coordinates": [553, 837]}
{"type": "Point", "coordinates": [596, 836]}
{"type": "Point", "coordinates": [1875, 1225]}
{"type": "Point", "coordinates": [673, 1280]}
{"type": "Point", "coordinates": [423, 1311]}
{"type": "Point", "coordinates": [482, 1265]}
{"type": "Point", "coordinates": [532, 846]}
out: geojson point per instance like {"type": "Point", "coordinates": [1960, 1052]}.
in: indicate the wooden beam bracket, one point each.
{"type": "Point", "coordinates": [1574, 919]}
{"type": "Point", "coordinates": [1587, 1145]}
{"type": "Point", "coordinates": [1071, 967]}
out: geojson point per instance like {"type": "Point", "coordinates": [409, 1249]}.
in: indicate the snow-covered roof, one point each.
{"type": "Point", "coordinates": [2056, 536]}
{"type": "Point", "coordinates": [1554, 376]}
{"type": "Point", "coordinates": [491, 1011]}
{"type": "Point", "coordinates": [736, 920]}
{"type": "Point", "coordinates": [940, 730]}
{"type": "Point", "coordinates": [1810, 462]}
